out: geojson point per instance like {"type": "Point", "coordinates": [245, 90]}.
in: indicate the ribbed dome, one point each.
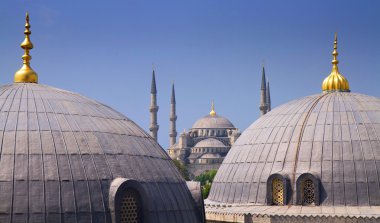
{"type": "Point", "coordinates": [334, 136]}
{"type": "Point", "coordinates": [60, 151]}
{"type": "Point", "coordinates": [209, 143]}
{"type": "Point", "coordinates": [213, 122]}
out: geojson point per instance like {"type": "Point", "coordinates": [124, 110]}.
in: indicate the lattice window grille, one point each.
{"type": "Point", "coordinates": [308, 192]}
{"type": "Point", "coordinates": [277, 192]}
{"type": "Point", "coordinates": [129, 209]}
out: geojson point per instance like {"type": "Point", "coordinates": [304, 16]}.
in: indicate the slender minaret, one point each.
{"type": "Point", "coordinates": [173, 119]}
{"type": "Point", "coordinates": [268, 98]}
{"type": "Point", "coordinates": [153, 109]}
{"type": "Point", "coordinates": [263, 99]}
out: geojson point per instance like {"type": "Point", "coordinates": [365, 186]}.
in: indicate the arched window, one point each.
{"type": "Point", "coordinates": [130, 207]}
{"type": "Point", "coordinates": [126, 201]}
{"type": "Point", "coordinates": [277, 192]}
{"type": "Point", "coordinates": [308, 189]}
{"type": "Point", "coordinates": [277, 189]}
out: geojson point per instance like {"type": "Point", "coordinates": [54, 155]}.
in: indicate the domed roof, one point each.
{"type": "Point", "coordinates": [209, 143]}
{"type": "Point", "coordinates": [210, 156]}
{"type": "Point", "coordinates": [60, 151]}
{"type": "Point", "coordinates": [334, 136]}
{"type": "Point", "coordinates": [213, 122]}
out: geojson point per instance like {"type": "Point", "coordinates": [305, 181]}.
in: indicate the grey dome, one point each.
{"type": "Point", "coordinates": [209, 143]}
{"type": "Point", "coordinates": [334, 136]}
{"type": "Point", "coordinates": [213, 122]}
{"type": "Point", "coordinates": [60, 151]}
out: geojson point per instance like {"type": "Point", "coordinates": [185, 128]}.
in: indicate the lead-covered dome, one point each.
{"type": "Point", "coordinates": [60, 152]}
{"type": "Point", "coordinates": [331, 139]}
{"type": "Point", "coordinates": [213, 122]}
{"type": "Point", "coordinates": [209, 143]}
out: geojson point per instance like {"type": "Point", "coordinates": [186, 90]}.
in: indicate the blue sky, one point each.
{"type": "Point", "coordinates": [211, 49]}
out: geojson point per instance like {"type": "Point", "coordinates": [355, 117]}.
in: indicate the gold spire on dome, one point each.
{"type": "Point", "coordinates": [26, 74]}
{"type": "Point", "coordinates": [335, 81]}
{"type": "Point", "coordinates": [212, 112]}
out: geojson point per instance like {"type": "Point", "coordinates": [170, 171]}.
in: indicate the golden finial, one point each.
{"type": "Point", "coordinates": [26, 74]}
{"type": "Point", "coordinates": [335, 81]}
{"type": "Point", "coordinates": [212, 112]}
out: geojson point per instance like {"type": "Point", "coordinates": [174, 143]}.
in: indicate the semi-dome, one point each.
{"type": "Point", "coordinates": [209, 143]}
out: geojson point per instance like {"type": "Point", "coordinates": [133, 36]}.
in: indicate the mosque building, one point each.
{"type": "Point", "coordinates": [315, 159]}
{"type": "Point", "coordinates": [204, 146]}
{"type": "Point", "coordinates": [68, 158]}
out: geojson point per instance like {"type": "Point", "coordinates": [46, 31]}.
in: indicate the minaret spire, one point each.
{"type": "Point", "coordinates": [263, 99]}
{"type": "Point", "coordinates": [153, 108]}
{"type": "Point", "coordinates": [26, 74]}
{"type": "Point", "coordinates": [269, 104]}
{"type": "Point", "coordinates": [173, 118]}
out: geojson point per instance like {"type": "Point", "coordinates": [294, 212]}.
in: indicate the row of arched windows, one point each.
{"type": "Point", "coordinates": [210, 132]}
{"type": "Point", "coordinates": [209, 150]}
{"type": "Point", "coordinates": [279, 192]}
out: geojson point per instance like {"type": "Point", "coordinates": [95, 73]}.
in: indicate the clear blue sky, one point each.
{"type": "Point", "coordinates": [212, 49]}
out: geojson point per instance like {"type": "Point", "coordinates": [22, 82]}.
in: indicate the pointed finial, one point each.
{"type": "Point", "coordinates": [153, 88]}
{"type": "Point", "coordinates": [26, 74]}
{"type": "Point", "coordinates": [335, 54]}
{"type": "Point", "coordinates": [335, 81]}
{"type": "Point", "coordinates": [173, 94]}
{"type": "Point", "coordinates": [212, 112]}
{"type": "Point", "coordinates": [263, 81]}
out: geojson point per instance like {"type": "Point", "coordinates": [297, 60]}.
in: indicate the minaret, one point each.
{"type": "Point", "coordinates": [268, 98]}
{"type": "Point", "coordinates": [153, 108]}
{"type": "Point", "coordinates": [263, 99]}
{"type": "Point", "coordinates": [173, 119]}
{"type": "Point", "coordinates": [26, 74]}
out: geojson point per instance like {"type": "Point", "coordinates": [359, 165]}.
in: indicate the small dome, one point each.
{"type": "Point", "coordinates": [210, 156]}
{"type": "Point", "coordinates": [213, 122]}
{"type": "Point", "coordinates": [60, 152]}
{"type": "Point", "coordinates": [333, 136]}
{"type": "Point", "coordinates": [209, 143]}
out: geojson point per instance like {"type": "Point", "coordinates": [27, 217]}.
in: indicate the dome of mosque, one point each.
{"type": "Point", "coordinates": [213, 121]}
{"type": "Point", "coordinates": [67, 158]}
{"type": "Point", "coordinates": [322, 149]}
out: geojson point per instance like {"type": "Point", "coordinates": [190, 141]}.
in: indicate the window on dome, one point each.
{"type": "Point", "coordinates": [130, 207]}
{"type": "Point", "coordinates": [277, 192]}
{"type": "Point", "coordinates": [126, 201]}
{"type": "Point", "coordinates": [277, 185]}
{"type": "Point", "coordinates": [308, 191]}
